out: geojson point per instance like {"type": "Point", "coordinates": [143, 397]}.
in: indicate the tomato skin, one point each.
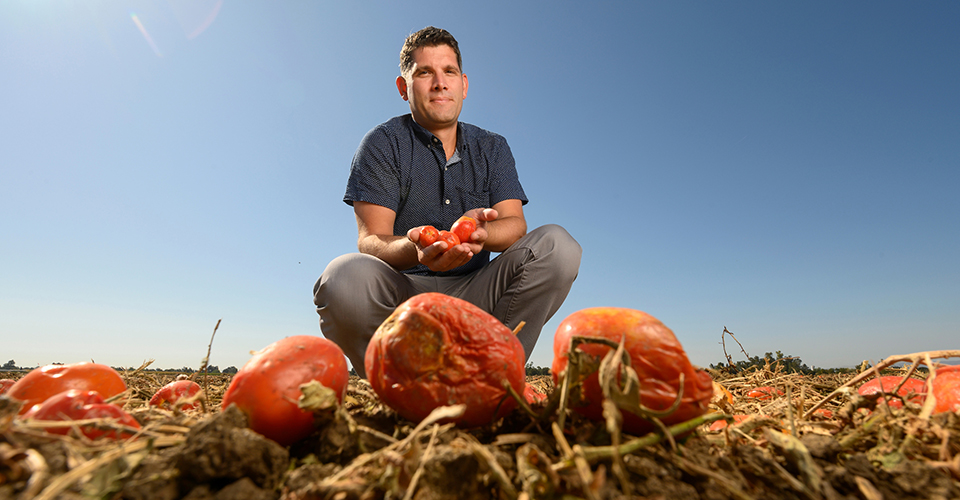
{"type": "Point", "coordinates": [6, 384]}
{"type": "Point", "coordinates": [46, 381]}
{"type": "Point", "coordinates": [946, 388]}
{"type": "Point", "coordinates": [913, 386]}
{"type": "Point", "coordinates": [449, 238]}
{"type": "Point", "coordinates": [168, 396]}
{"type": "Point", "coordinates": [464, 228]}
{"type": "Point", "coordinates": [531, 395]}
{"type": "Point", "coordinates": [764, 393]}
{"type": "Point", "coordinates": [435, 350]}
{"type": "Point", "coordinates": [428, 236]}
{"type": "Point", "coordinates": [268, 386]}
{"type": "Point", "coordinates": [655, 354]}
{"type": "Point", "coordinates": [82, 405]}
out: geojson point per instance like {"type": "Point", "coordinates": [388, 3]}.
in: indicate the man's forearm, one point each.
{"type": "Point", "coordinates": [398, 251]}
{"type": "Point", "coordinates": [503, 232]}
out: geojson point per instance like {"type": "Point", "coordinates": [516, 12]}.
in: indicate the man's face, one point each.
{"type": "Point", "coordinates": [435, 87]}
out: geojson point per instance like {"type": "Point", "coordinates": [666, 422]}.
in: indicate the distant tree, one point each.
{"type": "Point", "coordinates": [230, 369]}
{"type": "Point", "coordinates": [536, 370]}
{"type": "Point", "coordinates": [213, 369]}
{"type": "Point", "coordinates": [10, 365]}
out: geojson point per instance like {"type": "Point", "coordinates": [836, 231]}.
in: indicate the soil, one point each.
{"type": "Point", "coordinates": [365, 451]}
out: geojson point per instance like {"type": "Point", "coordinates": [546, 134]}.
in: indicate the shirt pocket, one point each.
{"type": "Point", "coordinates": [474, 199]}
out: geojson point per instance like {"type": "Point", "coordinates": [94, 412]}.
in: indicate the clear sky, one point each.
{"type": "Point", "coordinates": [787, 170]}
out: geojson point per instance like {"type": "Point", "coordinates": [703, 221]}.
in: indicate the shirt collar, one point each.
{"type": "Point", "coordinates": [427, 137]}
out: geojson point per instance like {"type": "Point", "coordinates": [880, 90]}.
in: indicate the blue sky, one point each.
{"type": "Point", "coordinates": [787, 171]}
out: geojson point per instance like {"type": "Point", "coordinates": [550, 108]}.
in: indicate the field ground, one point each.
{"type": "Point", "coordinates": [861, 451]}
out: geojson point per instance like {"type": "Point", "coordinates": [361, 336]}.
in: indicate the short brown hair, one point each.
{"type": "Point", "coordinates": [427, 37]}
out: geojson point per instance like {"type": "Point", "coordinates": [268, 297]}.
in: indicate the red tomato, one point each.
{"type": "Point", "coordinates": [722, 424]}
{"type": "Point", "coordinates": [168, 396]}
{"type": "Point", "coordinates": [428, 236]}
{"type": "Point", "coordinates": [42, 383]}
{"type": "Point", "coordinates": [531, 395]}
{"type": "Point", "coordinates": [449, 238]}
{"type": "Point", "coordinates": [464, 228]}
{"type": "Point", "coordinates": [436, 350]}
{"type": "Point", "coordinates": [764, 393]}
{"type": "Point", "coordinates": [82, 405]}
{"type": "Point", "coordinates": [6, 384]}
{"type": "Point", "coordinates": [267, 388]}
{"type": "Point", "coordinates": [914, 388]}
{"type": "Point", "coordinates": [946, 388]}
{"type": "Point", "coordinates": [655, 353]}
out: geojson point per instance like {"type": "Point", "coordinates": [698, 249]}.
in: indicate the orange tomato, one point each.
{"type": "Point", "coordinates": [6, 384]}
{"type": "Point", "coordinates": [449, 238]}
{"type": "Point", "coordinates": [428, 236]}
{"type": "Point", "coordinates": [464, 228]}
{"type": "Point", "coordinates": [267, 388]}
{"type": "Point", "coordinates": [82, 405]}
{"type": "Point", "coordinates": [168, 396]}
{"type": "Point", "coordinates": [655, 354]}
{"type": "Point", "coordinates": [764, 393]}
{"type": "Point", "coordinates": [946, 388]}
{"type": "Point", "coordinates": [46, 381]}
{"type": "Point", "coordinates": [913, 388]}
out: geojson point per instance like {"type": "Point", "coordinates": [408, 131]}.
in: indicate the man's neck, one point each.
{"type": "Point", "coordinates": [448, 136]}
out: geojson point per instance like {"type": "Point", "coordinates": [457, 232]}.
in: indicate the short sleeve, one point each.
{"type": "Point", "coordinates": [374, 172]}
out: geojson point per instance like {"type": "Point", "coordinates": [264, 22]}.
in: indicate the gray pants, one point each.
{"type": "Point", "coordinates": [527, 282]}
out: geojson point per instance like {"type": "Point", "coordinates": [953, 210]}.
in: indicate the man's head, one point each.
{"type": "Point", "coordinates": [427, 37]}
{"type": "Point", "coordinates": [431, 80]}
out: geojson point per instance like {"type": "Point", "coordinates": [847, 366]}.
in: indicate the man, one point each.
{"type": "Point", "coordinates": [428, 168]}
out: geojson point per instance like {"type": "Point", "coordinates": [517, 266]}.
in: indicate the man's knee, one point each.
{"type": "Point", "coordinates": [559, 250]}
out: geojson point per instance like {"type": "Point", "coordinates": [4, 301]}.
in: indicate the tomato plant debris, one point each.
{"type": "Point", "coordinates": [781, 447]}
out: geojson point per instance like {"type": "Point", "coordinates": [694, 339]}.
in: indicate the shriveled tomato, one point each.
{"type": "Point", "coordinates": [267, 388]}
{"type": "Point", "coordinates": [169, 396]}
{"type": "Point", "coordinates": [764, 392]}
{"type": "Point", "coordinates": [436, 350]}
{"type": "Point", "coordinates": [449, 238]}
{"type": "Point", "coordinates": [946, 388]}
{"type": "Point", "coordinates": [655, 354]}
{"type": "Point", "coordinates": [42, 383]}
{"type": "Point", "coordinates": [6, 384]}
{"type": "Point", "coordinates": [464, 228]}
{"type": "Point", "coordinates": [914, 389]}
{"type": "Point", "coordinates": [84, 405]}
{"type": "Point", "coordinates": [428, 236]}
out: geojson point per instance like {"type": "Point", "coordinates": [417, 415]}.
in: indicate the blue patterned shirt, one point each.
{"type": "Point", "coordinates": [402, 166]}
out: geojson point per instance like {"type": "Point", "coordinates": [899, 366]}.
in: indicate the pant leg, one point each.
{"type": "Point", "coordinates": [355, 293]}
{"type": "Point", "coordinates": [527, 282]}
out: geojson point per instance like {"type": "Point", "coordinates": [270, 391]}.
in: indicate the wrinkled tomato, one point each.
{"type": "Point", "coordinates": [46, 381]}
{"type": "Point", "coordinates": [84, 405]}
{"type": "Point", "coordinates": [763, 393]}
{"type": "Point", "coordinates": [436, 350]}
{"type": "Point", "coordinates": [170, 396]}
{"type": "Point", "coordinates": [6, 384]}
{"type": "Point", "coordinates": [428, 236]}
{"type": "Point", "coordinates": [946, 388]}
{"type": "Point", "coordinates": [913, 389]}
{"type": "Point", "coordinates": [655, 354]}
{"type": "Point", "coordinates": [267, 388]}
{"type": "Point", "coordinates": [464, 228]}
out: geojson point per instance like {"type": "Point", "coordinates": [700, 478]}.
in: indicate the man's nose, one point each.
{"type": "Point", "coordinates": [440, 82]}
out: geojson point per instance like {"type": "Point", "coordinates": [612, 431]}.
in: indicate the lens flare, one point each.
{"type": "Point", "coordinates": [136, 20]}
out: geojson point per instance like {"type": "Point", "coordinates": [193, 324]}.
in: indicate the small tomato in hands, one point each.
{"type": "Point", "coordinates": [267, 388]}
{"type": "Point", "coordinates": [46, 381]}
{"type": "Point", "coordinates": [655, 354]}
{"type": "Point", "coordinates": [946, 388]}
{"type": "Point", "coordinates": [464, 228]}
{"type": "Point", "coordinates": [170, 395]}
{"type": "Point", "coordinates": [428, 236]}
{"type": "Point", "coordinates": [449, 238]}
{"type": "Point", "coordinates": [914, 389]}
{"type": "Point", "coordinates": [83, 405]}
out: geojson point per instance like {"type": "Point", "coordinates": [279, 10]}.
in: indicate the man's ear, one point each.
{"type": "Point", "coordinates": [466, 84]}
{"type": "Point", "coordinates": [402, 87]}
